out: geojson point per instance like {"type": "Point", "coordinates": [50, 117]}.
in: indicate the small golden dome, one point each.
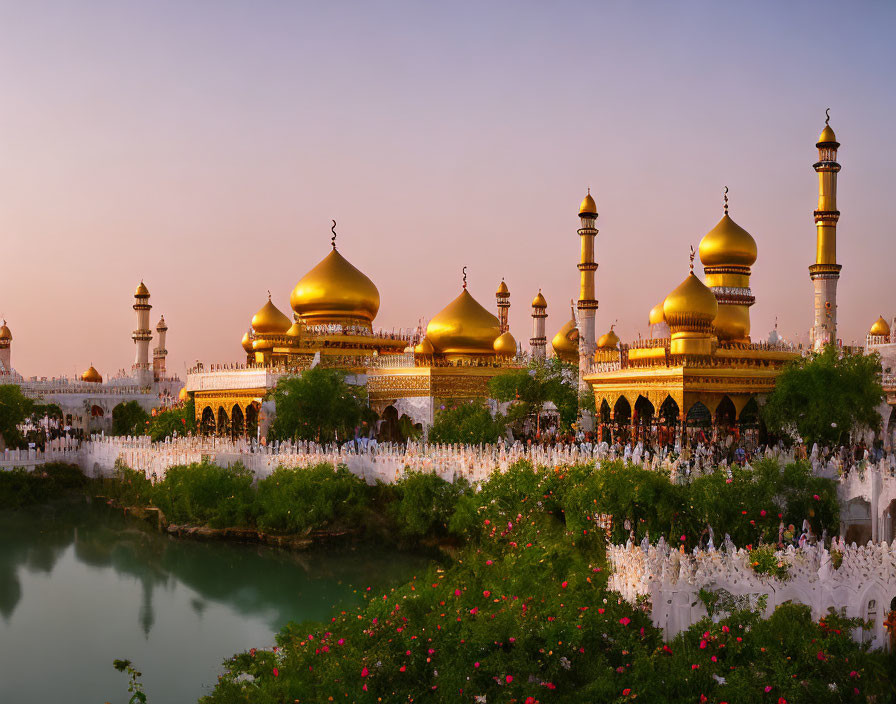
{"type": "Point", "coordinates": [463, 327]}
{"type": "Point", "coordinates": [656, 315]}
{"type": "Point", "coordinates": [270, 320]}
{"type": "Point", "coordinates": [184, 395]}
{"type": "Point", "coordinates": [538, 301]}
{"type": "Point", "coordinates": [246, 342]}
{"type": "Point", "coordinates": [502, 289]}
{"type": "Point", "coordinates": [692, 302]}
{"type": "Point", "coordinates": [588, 206]}
{"type": "Point", "coordinates": [566, 342]}
{"type": "Point", "coordinates": [505, 345]}
{"type": "Point", "coordinates": [295, 330]}
{"type": "Point", "coordinates": [5, 334]}
{"type": "Point", "coordinates": [880, 327]}
{"type": "Point", "coordinates": [827, 136]}
{"type": "Point", "coordinates": [334, 291]}
{"type": "Point", "coordinates": [608, 341]}
{"type": "Point", "coordinates": [142, 291]}
{"type": "Point", "coordinates": [424, 347]}
{"type": "Point", "coordinates": [92, 376]}
{"type": "Point", "coordinates": [728, 244]}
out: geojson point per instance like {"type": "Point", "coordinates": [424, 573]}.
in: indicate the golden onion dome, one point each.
{"type": "Point", "coordinates": [295, 330]}
{"type": "Point", "coordinates": [538, 301]}
{"type": "Point", "coordinates": [726, 244]}
{"type": "Point", "coordinates": [5, 334]}
{"type": "Point", "coordinates": [270, 320]}
{"type": "Point", "coordinates": [259, 345]}
{"type": "Point", "coordinates": [334, 291]}
{"type": "Point", "coordinates": [424, 347]}
{"type": "Point", "coordinates": [142, 291]}
{"type": "Point", "coordinates": [827, 136]}
{"type": "Point", "coordinates": [246, 342]}
{"type": "Point", "coordinates": [608, 341]}
{"type": "Point", "coordinates": [92, 376]}
{"type": "Point", "coordinates": [691, 301]}
{"type": "Point", "coordinates": [566, 341]}
{"type": "Point", "coordinates": [588, 206]}
{"type": "Point", "coordinates": [880, 327]}
{"type": "Point", "coordinates": [463, 327]}
{"type": "Point", "coordinates": [656, 315]}
{"type": "Point", "coordinates": [505, 345]}
{"type": "Point", "coordinates": [184, 395]}
{"type": "Point", "coordinates": [502, 289]}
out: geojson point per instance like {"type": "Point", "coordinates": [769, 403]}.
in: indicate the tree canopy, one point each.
{"type": "Point", "coordinates": [318, 405]}
{"type": "Point", "coordinates": [15, 408]}
{"type": "Point", "coordinates": [470, 422]}
{"type": "Point", "coordinates": [129, 418]}
{"type": "Point", "coordinates": [529, 389]}
{"type": "Point", "coordinates": [166, 423]}
{"type": "Point", "coordinates": [826, 396]}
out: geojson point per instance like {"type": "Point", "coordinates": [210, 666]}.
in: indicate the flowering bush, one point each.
{"type": "Point", "coordinates": [763, 560]}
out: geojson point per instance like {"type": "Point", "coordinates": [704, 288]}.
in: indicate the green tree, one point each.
{"type": "Point", "coordinates": [166, 423]}
{"type": "Point", "coordinates": [826, 396]}
{"type": "Point", "coordinates": [129, 418]}
{"type": "Point", "coordinates": [318, 405]}
{"type": "Point", "coordinates": [529, 389]}
{"type": "Point", "coordinates": [15, 408]}
{"type": "Point", "coordinates": [467, 423]}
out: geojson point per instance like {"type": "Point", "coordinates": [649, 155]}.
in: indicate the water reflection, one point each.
{"type": "Point", "coordinates": [93, 585]}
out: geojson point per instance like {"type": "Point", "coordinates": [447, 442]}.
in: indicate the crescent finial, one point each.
{"type": "Point", "coordinates": [464, 270]}
{"type": "Point", "coordinates": [333, 238]}
{"type": "Point", "coordinates": [693, 253]}
{"type": "Point", "coordinates": [725, 196]}
{"type": "Point", "coordinates": [827, 116]}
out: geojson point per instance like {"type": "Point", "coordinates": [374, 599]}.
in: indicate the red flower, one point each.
{"type": "Point", "coordinates": [509, 679]}
{"type": "Point", "coordinates": [364, 671]}
{"type": "Point", "coordinates": [564, 584]}
{"type": "Point", "coordinates": [782, 700]}
{"type": "Point", "coordinates": [486, 593]}
{"type": "Point", "coordinates": [276, 672]}
{"type": "Point", "coordinates": [626, 692]}
{"type": "Point", "coordinates": [625, 620]}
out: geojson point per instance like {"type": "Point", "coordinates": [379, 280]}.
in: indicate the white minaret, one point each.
{"type": "Point", "coordinates": [142, 337]}
{"type": "Point", "coordinates": [159, 353]}
{"type": "Point", "coordinates": [538, 343]}
{"type": "Point", "coordinates": [5, 349]}
{"type": "Point", "coordinates": [587, 305]}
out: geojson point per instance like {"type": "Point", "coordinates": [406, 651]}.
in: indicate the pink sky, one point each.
{"type": "Point", "coordinates": [205, 147]}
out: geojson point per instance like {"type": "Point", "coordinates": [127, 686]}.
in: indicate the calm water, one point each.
{"type": "Point", "coordinates": [81, 586]}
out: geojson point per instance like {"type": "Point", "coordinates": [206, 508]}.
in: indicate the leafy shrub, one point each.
{"type": "Point", "coordinates": [466, 423]}
{"type": "Point", "coordinates": [297, 500]}
{"type": "Point", "coordinates": [203, 493]}
{"type": "Point", "coordinates": [425, 503]}
{"type": "Point", "coordinates": [20, 487]}
{"type": "Point", "coordinates": [764, 561]}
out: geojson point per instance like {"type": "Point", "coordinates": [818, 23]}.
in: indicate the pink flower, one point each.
{"type": "Point", "coordinates": [762, 512]}
{"type": "Point", "coordinates": [474, 610]}
{"type": "Point", "coordinates": [341, 641]}
{"type": "Point", "coordinates": [695, 667]}
{"type": "Point", "coordinates": [364, 671]}
{"type": "Point", "coordinates": [683, 538]}
{"type": "Point", "coordinates": [853, 674]}
{"type": "Point", "coordinates": [489, 562]}
{"type": "Point", "coordinates": [816, 497]}
{"type": "Point", "coordinates": [476, 665]}
{"type": "Point", "coordinates": [625, 620]}
{"type": "Point", "coordinates": [564, 584]}
{"type": "Point", "coordinates": [702, 645]}
{"type": "Point", "coordinates": [508, 679]}
{"type": "Point", "coordinates": [457, 592]}
{"type": "Point", "coordinates": [768, 688]}
{"type": "Point", "coordinates": [725, 629]}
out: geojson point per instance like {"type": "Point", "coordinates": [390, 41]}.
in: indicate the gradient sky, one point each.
{"type": "Point", "coordinates": [205, 146]}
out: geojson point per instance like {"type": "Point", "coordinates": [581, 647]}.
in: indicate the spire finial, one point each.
{"type": "Point", "coordinates": [693, 253]}
{"type": "Point", "coordinates": [464, 270]}
{"type": "Point", "coordinates": [333, 238]}
{"type": "Point", "coordinates": [725, 197]}
{"type": "Point", "coordinates": [827, 116]}
{"type": "Point", "coordinates": [589, 190]}
{"type": "Point", "coordinates": [269, 294]}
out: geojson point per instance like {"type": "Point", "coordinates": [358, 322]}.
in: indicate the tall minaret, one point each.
{"type": "Point", "coordinates": [538, 342]}
{"type": "Point", "coordinates": [826, 271]}
{"type": "Point", "coordinates": [159, 353]}
{"type": "Point", "coordinates": [587, 305]}
{"type": "Point", "coordinates": [5, 349]}
{"type": "Point", "coordinates": [503, 296]}
{"type": "Point", "coordinates": [142, 336]}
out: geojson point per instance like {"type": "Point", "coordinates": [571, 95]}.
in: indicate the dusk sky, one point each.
{"type": "Point", "coordinates": [205, 147]}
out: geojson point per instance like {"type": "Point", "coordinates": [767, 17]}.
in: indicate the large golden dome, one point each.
{"type": "Point", "coordinates": [335, 292]}
{"type": "Point", "coordinates": [656, 314]}
{"type": "Point", "coordinates": [505, 345]}
{"type": "Point", "coordinates": [728, 244]}
{"type": "Point", "coordinates": [692, 302]}
{"type": "Point", "coordinates": [92, 376]}
{"type": "Point", "coordinates": [879, 328]}
{"type": "Point", "coordinates": [424, 347]}
{"type": "Point", "coordinates": [269, 320]}
{"type": "Point", "coordinates": [566, 342]}
{"type": "Point", "coordinates": [463, 327]}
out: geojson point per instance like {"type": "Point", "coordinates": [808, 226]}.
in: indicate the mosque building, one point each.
{"type": "Point", "coordinates": [87, 400]}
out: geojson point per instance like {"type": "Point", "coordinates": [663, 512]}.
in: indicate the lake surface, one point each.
{"type": "Point", "coordinates": [82, 585]}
